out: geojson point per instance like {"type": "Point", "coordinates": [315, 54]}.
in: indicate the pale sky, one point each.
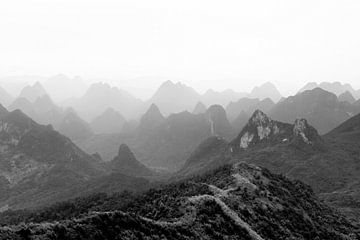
{"type": "Point", "coordinates": [205, 44]}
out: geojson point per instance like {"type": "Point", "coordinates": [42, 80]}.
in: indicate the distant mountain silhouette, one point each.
{"type": "Point", "coordinates": [42, 110]}
{"type": "Point", "coordinates": [165, 143]}
{"type": "Point", "coordinates": [199, 108]}
{"type": "Point", "coordinates": [25, 106]}
{"type": "Point", "coordinates": [109, 122]}
{"type": "Point", "coordinates": [151, 120]}
{"type": "Point", "coordinates": [74, 127]}
{"type": "Point", "coordinates": [5, 98]}
{"type": "Point", "coordinates": [101, 96]}
{"type": "Point", "coordinates": [321, 108]}
{"type": "Point", "coordinates": [174, 97]}
{"type": "Point", "coordinates": [126, 163]}
{"type": "Point", "coordinates": [55, 86]}
{"type": "Point", "coordinates": [240, 121]}
{"type": "Point", "coordinates": [223, 98]}
{"type": "Point", "coordinates": [32, 92]}
{"type": "Point", "coordinates": [244, 104]}
{"type": "Point", "coordinates": [335, 87]}
{"type": "Point", "coordinates": [346, 97]}
{"type": "Point", "coordinates": [267, 90]}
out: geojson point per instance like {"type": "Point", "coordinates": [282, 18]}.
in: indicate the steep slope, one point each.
{"type": "Point", "coordinates": [234, 202]}
{"type": "Point", "coordinates": [244, 104]}
{"type": "Point", "coordinates": [5, 98]}
{"type": "Point", "coordinates": [150, 120]}
{"type": "Point", "coordinates": [348, 130]}
{"type": "Point", "coordinates": [32, 92]}
{"type": "Point", "coordinates": [108, 122]}
{"type": "Point", "coordinates": [126, 163]}
{"type": "Point", "coordinates": [74, 127]}
{"type": "Point", "coordinates": [25, 106]}
{"type": "Point", "coordinates": [199, 108]}
{"type": "Point", "coordinates": [174, 97]}
{"type": "Point", "coordinates": [267, 90]}
{"type": "Point", "coordinates": [38, 162]}
{"type": "Point", "coordinates": [346, 97]}
{"type": "Point", "coordinates": [210, 154]}
{"type": "Point", "coordinates": [322, 109]}
{"type": "Point", "coordinates": [240, 121]}
{"type": "Point", "coordinates": [219, 124]}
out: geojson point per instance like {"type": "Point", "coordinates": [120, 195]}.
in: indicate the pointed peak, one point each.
{"type": "Point", "coordinates": [153, 110]}
{"type": "Point", "coordinates": [124, 149]}
{"type": "Point", "coordinates": [199, 108]}
{"type": "Point", "coordinates": [259, 117]}
{"type": "Point", "coordinates": [167, 83]}
{"type": "Point", "coordinates": [304, 130]}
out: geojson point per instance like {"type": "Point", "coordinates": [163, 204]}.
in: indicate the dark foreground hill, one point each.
{"type": "Point", "coordinates": [329, 164]}
{"type": "Point", "coordinates": [238, 201]}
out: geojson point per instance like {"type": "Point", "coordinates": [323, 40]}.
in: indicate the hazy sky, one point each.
{"type": "Point", "coordinates": [218, 44]}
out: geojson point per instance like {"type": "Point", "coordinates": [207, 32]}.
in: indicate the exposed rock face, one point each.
{"type": "Point", "coordinates": [263, 130]}
{"type": "Point", "coordinates": [308, 134]}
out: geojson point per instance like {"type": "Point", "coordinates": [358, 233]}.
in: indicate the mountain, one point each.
{"type": "Point", "coordinates": [31, 93]}
{"type": "Point", "coordinates": [348, 130]}
{"type": "Point", "coordinates": [74, 127]}
{"type": "Point", "coordinates": [151, 120]}
{"type": "Point", "coordinates": [209, 154]}
{"type": "Point", "coordinates": [38, 164]}
{"type": "Point", "coordinates": [55, 85]}
{"type": "Point", "coordinates": [244, 104]}
{"type": "Point", "coordinates": [126, 163]}
{"type": "Point", "coordinates": [199, 108]}
{"type": "Point", "coordinates": [174, 97]}
{"type": "Point", "coordinates": [261, 131]}
{"type": "Point", "coordinates": [322, 109]}
{"type": "Point", "coordinates": [102, 96]}
{"type": "Point", "coordinates": [267, 90]}
{"type": "Point", "coordinates": [219, 124]}
{"type": "Point", "coordinates": [237, 201]}
{"type": "Point", "coordinates": [223, 98]}
{"type": "Point", "coordinates": [25, 106]}
{"type": "Point", "coordinates": [164, 143]}
{"type": "Point", "coordinates": [5, 98]}
{"type": "Point", "coordinates": [335, 87]}
{"type": "Point", "coordinates": [240, 121]}
{"type": "Point", "coordinates": [346, 97]}
{"type": "Point", "coordinates": [109, 122]}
